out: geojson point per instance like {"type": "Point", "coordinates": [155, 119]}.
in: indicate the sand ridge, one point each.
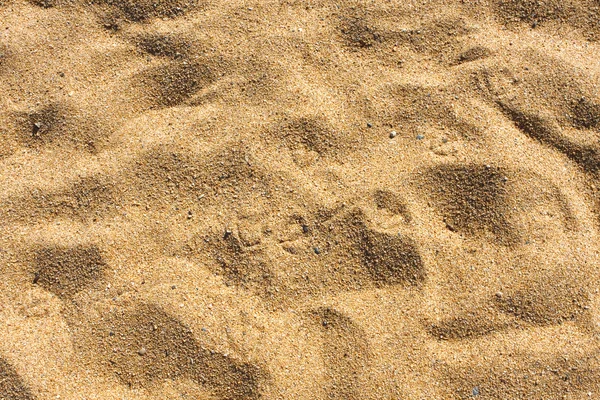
{"type": "Point", "coordinates": [204, 199]}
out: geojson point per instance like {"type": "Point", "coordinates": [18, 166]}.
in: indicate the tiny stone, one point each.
{"type": "Point", "coordinates": [173, 287]}
{"type": "Point", "coordinates": [393, 134]}
{"type": "Point", "coordinates": [189, 216]}
{"type": "Point", "coordinates": [305, 228]}
{"type": "Point", "coordinates": [142, 351]}
{"type": "Point", "coordinates": [111, 334]}
{"type": "Point", "coordinates": [317, 251]}
{"type": "Point", "coordinates": [37, 125]}
{"type": "Point", "coordinates": [369, 125]}
{"type": "Point", "coordinates": [325, 323]}
{"type": "Point", "coordinates": [420, 137]}
{"type": "Point", "coordinates": [499, 295]}
{"type": "Point", "coordinates": [444, 140]}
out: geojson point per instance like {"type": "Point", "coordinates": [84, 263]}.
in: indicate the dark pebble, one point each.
{"type": "Point", "coordinates": [36, 127]}
{"type": "Point", "coordinates": [317, 251]}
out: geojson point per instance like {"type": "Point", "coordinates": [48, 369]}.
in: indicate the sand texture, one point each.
{"type": "Point", "coordinates": [209, 199]}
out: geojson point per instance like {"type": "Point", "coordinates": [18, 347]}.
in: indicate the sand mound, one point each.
{"type": "Point", "coordinates": [299, 199]}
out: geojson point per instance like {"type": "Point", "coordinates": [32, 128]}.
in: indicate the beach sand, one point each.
{"type": "Point", "coordinates": [299, 199]}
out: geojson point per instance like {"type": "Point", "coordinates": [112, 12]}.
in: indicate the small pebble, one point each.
{"type": "Point", "coordinates": [420, 137]}
{"type": "Point", "coordinates": [369, 125]}
{"type": "Point", "coordinates": [142, 351]}
{"type": "Point", "coordinates": [476, 391]}
{"type": "Point", "coordinates": [325, 323]}
{"type": "Point", "coordinates": [317, 251]}
{"type": "Point", "coordinates": [499, 295]}
{"type": "Point", "coordinates": [305, 228]}
{"type": "Point", "coordinates": [393, 134]}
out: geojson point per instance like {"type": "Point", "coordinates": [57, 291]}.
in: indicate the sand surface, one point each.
{"type": "Point", "coordinates": [209, 199]}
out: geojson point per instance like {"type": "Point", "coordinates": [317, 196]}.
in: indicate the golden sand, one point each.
{"type": "Point", "coordinates": [205, 199]}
